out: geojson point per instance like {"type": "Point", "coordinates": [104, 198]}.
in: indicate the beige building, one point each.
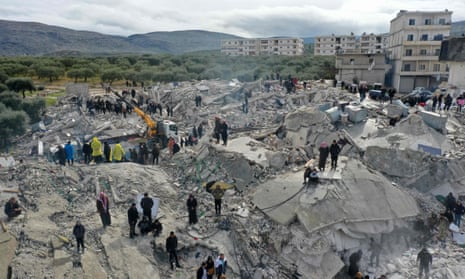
{"type": "Point", "coordinates": [263, 46]}
{"type": "Point", "coordinates": [414, 46]}
{"type": "Point", "coordinates": [351, 44]}
{"type": "Point", "coordinates": [371, 68]}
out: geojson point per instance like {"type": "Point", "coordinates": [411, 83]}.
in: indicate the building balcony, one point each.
{"type": "Point", "coordinates": [423, 73]}
{"type": "Point", "coordinates": [420, 58]}
{"type": "Point", "coordinates": [422, 43]}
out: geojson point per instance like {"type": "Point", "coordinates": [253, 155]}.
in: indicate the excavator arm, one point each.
{"type": "Point", "coordinates": [152, 125]}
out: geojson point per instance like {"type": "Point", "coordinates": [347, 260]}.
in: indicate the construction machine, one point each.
{"type": "Point", "coordinates": [157, 131]}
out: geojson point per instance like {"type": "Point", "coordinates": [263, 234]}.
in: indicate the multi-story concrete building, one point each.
{"type": "Point", "coordinates": [414, 46]}
{"type": "Point", "coordinates": [370, 68]}
{"type": "Point", "coordinates": [263, 46]}
{"type": "Point", "coordinates": [351, 44]}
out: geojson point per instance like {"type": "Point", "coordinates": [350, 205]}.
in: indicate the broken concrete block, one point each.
{"type": "Point", "coordinates": [333, 113]}
{"type": "Point", "coordinates": [276, 159]}
{"type": "Point", "coordinates": [356, 113]}
{"type": "Point", "coordinates": [434, 120]}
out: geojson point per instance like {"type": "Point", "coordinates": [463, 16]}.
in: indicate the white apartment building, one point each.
{"type": "Point", "coordinates": [263, 46]}
{"type": "Point", "coordinates": [351, 44]}
{"type": "Point", "coordinates": [414, 47]}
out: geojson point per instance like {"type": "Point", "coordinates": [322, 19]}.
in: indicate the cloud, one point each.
{"type": "Point", "coordinates": [257, 18]}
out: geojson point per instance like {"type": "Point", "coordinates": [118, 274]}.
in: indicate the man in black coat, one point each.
{"type": "Point", "coordinates": [79, 232]}
{"type": "Point", "coordinates": [171, 246]}
{"type": "Point", "coordinates": [192, 209]}
{"type": "Point", "coordinates": [334, 150]}
{"type": "Point", "coordinates": [133, 216]}
{"type": "Point", "coordinates": [147, 203]}
{"type": "Point", "coordinates": [87, 150]}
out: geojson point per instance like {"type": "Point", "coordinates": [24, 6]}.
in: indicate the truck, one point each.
{"type": "Point", "coordinates": [158, 131]}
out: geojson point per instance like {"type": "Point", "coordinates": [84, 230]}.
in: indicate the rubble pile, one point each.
{"type": "Point", "coordinates": [272, 225]}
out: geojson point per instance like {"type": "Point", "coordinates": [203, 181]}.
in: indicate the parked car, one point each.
{"type": "Point", "coordinates": [416, 97]}
{"type": "Point", "coordinates": [377, 95]}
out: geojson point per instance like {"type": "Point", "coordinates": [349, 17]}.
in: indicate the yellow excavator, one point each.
{"type": "Point", "coordinates": [157, 131]}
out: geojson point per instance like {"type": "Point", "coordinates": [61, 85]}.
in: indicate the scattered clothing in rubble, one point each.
{"type": "Point", "coordinates": [79, 232]}
{"type": "Point", "coordinates": [103, 208]}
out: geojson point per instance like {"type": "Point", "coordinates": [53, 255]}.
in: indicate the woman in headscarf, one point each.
{"type": "Point", "coordinates": [104, 209]}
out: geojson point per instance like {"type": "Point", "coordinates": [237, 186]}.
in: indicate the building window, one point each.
{"type": "Point", "coordinates": [422, 67]}
{"type": "Point", "coordinates": [424, 37]}
{"type": "Point", "coordinates": [410, 37]}
{"type": "Point", "coordinates": [428, 21]}
{"type": "Point", "coordinates": [411, 21]}
{"type": "Point", "coordinates": [437, 52]}
{"type": "Point", "coordinates": [408, 52]}
{"type": "Point", "coordinates": [438, 37]}
{"type": "Point", "coordinates": [437, 67]}
{"type": "Point", "coordinates": [407, 67]}
{"type": "Point", "coordinates": [422, 51]}
{"type": "Point", "coordinates": [442, 21]}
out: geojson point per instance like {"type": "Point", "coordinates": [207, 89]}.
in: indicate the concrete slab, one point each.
{"type": "Point", "coordinates": [8, 248]}
{"type": "Point", "coordinates": [279, 197]}
{"type": "Point", "coordinates": [251, 149]}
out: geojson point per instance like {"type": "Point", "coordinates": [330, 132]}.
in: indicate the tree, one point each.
{"type": "Point", "coordinates": [20, 85]}
{"type": "Point", "coordinates": [50, 72]}
{"type": "Point", "coordinates": [12, 123]}
{"type": "Point", "coordinates": [34, 107]}
{"type": "Point", "coordinates": [10, 100]}
{"type": "Point", "coordinates": [74, 74]}
{"type": "Point", "coordinates": [111, 75]}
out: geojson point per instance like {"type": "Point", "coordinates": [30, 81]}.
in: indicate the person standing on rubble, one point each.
{"type": "Point", "coordinates": [218, 195]}
{"type": "Point", "coordinates": [192, 209]}
{"type": "Point", "coordinates": [425, 259]}
{"type": "Point", "coordinates": [217, 129]}
{"type": "Point", "coordinates": [171, 246]}
{"type": "Point", "coordinates": [210, 267]}
{"type": "Point", "coordinates": [118, 153]}
{"type": "Point", "coordinates": [61, 153]}
{"type": "Point", "coordinates": [324, 152]}
{"type": "Point", "coordinates": [79, 232]}
{"type": "Point", "coordinates": [224, 132]}
{"type": "Point", "coordinates": [133, 217]}
{"type": "Point", "coordinates": [202, 271]}
{"type": "Point", "coordinates": [459, 210]}
{"type": "Point", "coordinates": [69, 150]}
{"type": "Point", "coordinates": [96, 146]}
{"type": "Point", "coordinates": [107, 151]}
{"type": "Point", "coordinates": [147, 203]}
{"type": "Point", "coordinates": [450, 201]}
{"type": "Point", "coordinates": [103, 208]}
{"type": "Point", "coordinates": [334, 149]}
{"type": "Point", "coordinates": [375, 248]}
{"type": "Point", "coordinates": [155, 153]}
{"type": "Point", "coordinates": [87, 150]}
{"type": "Point", "coordinates": [171, 143]}
{"type": "Point", "coordinates": [221, 265]}
{"type": "Point", "coordinates": [200, 130]}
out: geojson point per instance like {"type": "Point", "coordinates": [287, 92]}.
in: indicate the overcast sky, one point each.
{"type": "Point", "coordinates": [247, 18]}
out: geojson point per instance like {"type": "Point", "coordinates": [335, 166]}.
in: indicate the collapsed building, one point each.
{"type": "Point", "coordinates": [273, 226]}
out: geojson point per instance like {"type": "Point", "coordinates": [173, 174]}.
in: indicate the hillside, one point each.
{"type": "Point", "coordinates": [31, 38]}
